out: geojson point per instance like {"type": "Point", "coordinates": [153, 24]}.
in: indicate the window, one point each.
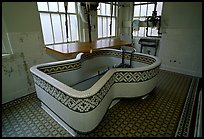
{"type": "Point", "coordinates": [53, 20]}
{"type": "Point", "coordinates": [104, 20]}
{"type": "Point", "coordinates": [6, 45]}
{"type": "Point", "coordinates": [141, 11]}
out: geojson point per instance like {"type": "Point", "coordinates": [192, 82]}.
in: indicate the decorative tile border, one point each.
{"type": "Point", "coordinates": [77, 64]}
{"type": "Point", "coordinates": [61, 68]}
{"type": "Point", "coordinates": [136, 57]}
{"type": "Point", "coordinates": [185, 120]}
{"type": "Point", "coordinates": [83, 105]}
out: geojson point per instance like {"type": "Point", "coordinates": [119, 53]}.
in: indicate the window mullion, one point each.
{"type": "Point", "coordinates": [62, 28]}
{"type": "Point", "coordinates": [61, 23]}
{"type": "Point", "coordinates": [51, 23]}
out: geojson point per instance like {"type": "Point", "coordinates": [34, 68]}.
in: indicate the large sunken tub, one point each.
{"type": "Point", "coordinates": [78, 92]}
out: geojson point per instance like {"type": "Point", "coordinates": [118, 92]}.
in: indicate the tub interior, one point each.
{"type": "Point", "coordinates": [91, 71]}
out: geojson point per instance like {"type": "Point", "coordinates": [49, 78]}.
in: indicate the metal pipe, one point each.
{"type": "Point", "coordinates": [123, 56]}
{"type": "Point", "coordinates": [111, 18]}
{"type": "Point", "coordinates": [89, 22]}
{"type": "Point", "coordinates": [66, 22]}
{"type": "Point", "coordinates": [134, 50]}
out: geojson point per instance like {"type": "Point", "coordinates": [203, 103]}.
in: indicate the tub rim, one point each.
{"type": "Point", "coordinates": [94, 88]}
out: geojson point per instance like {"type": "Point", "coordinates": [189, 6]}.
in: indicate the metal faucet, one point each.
{"type": "Point", "coordinates": [134, 50]}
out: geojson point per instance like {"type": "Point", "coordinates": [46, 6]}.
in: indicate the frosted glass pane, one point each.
{"type": "Point", "coordinates": [74, 27]}
{"type": "Point", "coordinates": [114, 10]}
{"type": "Point", "coordinates": [159, 8]}
{"type": "Point", "coordinates": [136, 11]}
{"type": "Point", "coordinates": [137, 2]}
{"type": "Point", "coordinates": [71, 7]}
{"type": "Point", "coordinates": [142, 19]}
{"type": "Point", "coordinates": [53, 6]}
{"type": "Point", "coordinates": [100, 27]}
{"type": "Point", "coordinates": [136, 18]}
{"type": "Point", "coordinates": [105, 29]}
{"type": "Point", "coordinates": [150, 9]}
{"type": "Point", "coordinates": [145, 30]}
{"type": "Point", "coordinates": [57, 28]}
{"type": "Point", "coordinates": [113, 27]}
{"type": "Point", "coordinates": [61, 6]}
{"type": "Point", "coordinates": [154, 32]}
{"type": "Point", "coordinates": [46, 28]}
{"type": "Point", "coordinates": [42, 6]}
{"type": "Point", "coordinates": [108, 26]}
{"type": "Point", "coordinates": [143, 10]}
{"type": "Point", "coordinates": [149, 31]}
{"type": "Point", "coordinates": [99, 11]}
{"type": "Point", "coordinates": [108, 9]}
{"type": "Point", "coordinates": [135, 33]}
{"type": "Point", "coordinates": [102, 9]}
{"type": "Point", "coordinates": [141, 32]}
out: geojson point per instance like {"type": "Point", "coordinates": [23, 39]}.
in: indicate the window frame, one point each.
{"type": "Point", "coordinates": [115, 10]}
{"type": "Point", "coordinates": [63, 33]}
{"type": "Point", "coordinates": [137, 33]}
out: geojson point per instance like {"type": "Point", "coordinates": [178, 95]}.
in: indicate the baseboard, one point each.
{"type": "Point", "coordinates": [18, 94]}
{"type": "Point", "coordinates": [182, 71]}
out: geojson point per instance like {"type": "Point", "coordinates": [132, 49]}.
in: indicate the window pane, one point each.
{"type": "Point", "coordinates": [102, 9]}
{"type": "Point", "coordinates": [108, 25]}
{"type": "Point", "coordinates": [142, 19]}
{"type": "Point", "coordinates": [136, 11]}
{"type": "Point", "coordinates": [136, 18]}
{"type": "Point", "coordinates": [154, 32]}
{"type": "Point", "coordinates": [74, 27]}
{"type": "Point", "coordinates": [42, 6]}
{"type": "Point", "coordinates": [150, 9]}
{"type": "Point", "coordinates": [57, 28]}
{"type": "Point", "coordinates": [46, 28]}
{"type": "Point", "coordinates": [143, 10]}
{"type": "Point", "coordinates": [149, 31]}
{"type": "Point", "coordinates": [114, 10]}
{"type": "Point", "coordinates": [135, 33]}
{"type": "Point", "coordinates": [99, 11]}
{"type": "Point", "coordinates": [137, 2]}
{"type": "Point", "coordinates": [53, 6]}
{"type": "Point", "coordinates": [159, 8]}
{"type": "Point", "coordinates": [141, 32]}
{"type": "Point", "coordinates": [61, 6]}
{"type": "Point", "coordinates": [71, 7]}
{"type": "Point", "coordinates": [100, 28]}
{"type": "Point", "coordinates": [113, 27]}
{"type": "Point", "coordinates": [108, 9]}
{"type": "Point", "coordinates": [105, 29]}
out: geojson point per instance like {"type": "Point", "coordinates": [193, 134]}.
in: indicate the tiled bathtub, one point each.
{"type": "Point", "coordinates": [78, 92]}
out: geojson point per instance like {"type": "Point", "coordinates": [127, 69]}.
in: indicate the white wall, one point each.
{"type": "Point", "coordinates": [182, 37]}
{"type": "Point", "coordinates": [22, 25]}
